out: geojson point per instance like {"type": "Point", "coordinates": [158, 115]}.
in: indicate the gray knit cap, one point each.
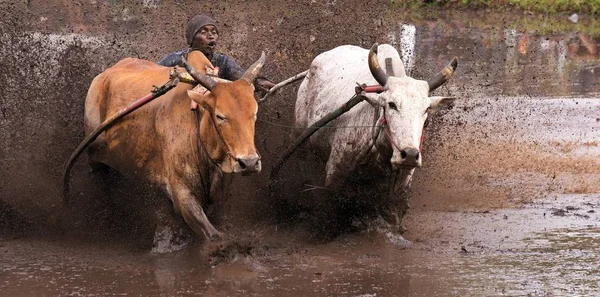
{"type": "Point", "coordinates": [195, 24]}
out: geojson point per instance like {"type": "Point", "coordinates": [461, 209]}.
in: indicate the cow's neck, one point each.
{"type": "Point", "coordinates": [199, 61]}
{"type": "Point", "coordinates": [192, 154]}
{"type": "Point", "coordinates": [207, 166]}
{"type": "Point", "coordinates": [376, 138]}
{"type": "Point", "coordinates": [210, 140]}
{"type": "Point", "coordinates": [186, 121]}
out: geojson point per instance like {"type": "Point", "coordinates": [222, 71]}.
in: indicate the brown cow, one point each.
{"type": "Point", "coordinates": [164, 143]}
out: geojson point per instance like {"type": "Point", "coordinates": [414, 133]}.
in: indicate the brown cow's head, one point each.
{"type": "Point", "coordinates": [407, 104]}
{"type": "Point", "coordinates": [228, 121]}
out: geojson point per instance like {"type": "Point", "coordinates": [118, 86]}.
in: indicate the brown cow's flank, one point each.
{"type": "Point", "coordinates": [165, 143]}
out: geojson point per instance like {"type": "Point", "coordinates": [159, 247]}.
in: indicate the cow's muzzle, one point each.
{"type": "Point", "coordinates": [409, 158]}
{"type": "Point", "coordinates": [248, 165]}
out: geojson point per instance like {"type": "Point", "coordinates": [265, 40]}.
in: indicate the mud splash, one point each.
{"type": "Point", "coordinates": [507, 202]}
{"type": "Point", "coordinates": [548, 248]}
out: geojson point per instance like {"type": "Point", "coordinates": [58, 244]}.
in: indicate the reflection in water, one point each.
{"type": "Point", "coordinates": [557, 262]}
{"type": "Point", "coordinates": [566, 63]}
{"type": "Point", "coordinates": [563, 63]}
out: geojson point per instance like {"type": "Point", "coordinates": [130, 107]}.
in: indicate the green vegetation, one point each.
{"type": "Point", "coordinates": [542, 16]}
{"type": "Point", "coordinates": [535, 6]}
{"type": "Point", "coordinates": [554, 6]}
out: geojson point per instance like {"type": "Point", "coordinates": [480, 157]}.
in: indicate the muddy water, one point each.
{"type": "Point", "coordinates": [511, 207]}
{"type": "Point", "coordinates": [542, 249]}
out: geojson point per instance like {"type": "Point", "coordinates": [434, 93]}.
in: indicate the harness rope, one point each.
{"type": "Point", "coordinates": [323, 127]}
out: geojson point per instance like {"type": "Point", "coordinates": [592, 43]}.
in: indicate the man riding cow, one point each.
{"type": "Point", "coordinates": [183, 152]}
{"type": "Point", "coordinates": [201, 34]}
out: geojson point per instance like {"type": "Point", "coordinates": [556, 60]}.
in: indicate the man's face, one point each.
{"type": "Point", "coordinates": [206, 39]}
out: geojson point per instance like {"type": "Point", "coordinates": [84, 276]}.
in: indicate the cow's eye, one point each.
{"type": "Point", "coordinates": [392, 105]}
{"type": "Point", "coordinates": [220, 117]}
{"type": "Point", "coordinates": [426, 110]}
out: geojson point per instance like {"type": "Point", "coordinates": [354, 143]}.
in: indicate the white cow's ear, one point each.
{"type": "Point", "coordinates": [440, 102]}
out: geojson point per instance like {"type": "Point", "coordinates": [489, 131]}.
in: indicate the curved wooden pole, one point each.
{"type": "Point", "coordinates": [157, 92]}
{"type": "Point", "coordinates": [283, 83]}
{"type": "Point", "coordinates": [357, 98]}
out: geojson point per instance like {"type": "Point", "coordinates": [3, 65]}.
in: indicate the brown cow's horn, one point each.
{"type": "Point", "coordinates": [443, 76]}
{"type": "Point", "coordinates": [203, 79]}
{"type": "Point", "coordinates": [254, 70]}
{"type": "Point", "coordinates": [380, 76]}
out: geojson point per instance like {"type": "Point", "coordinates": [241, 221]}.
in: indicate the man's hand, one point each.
{"type": "Point", "coordinates": [210, 70]}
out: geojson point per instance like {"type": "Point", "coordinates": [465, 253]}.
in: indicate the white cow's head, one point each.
{"type": "Point", "coordinates": [407, 104]}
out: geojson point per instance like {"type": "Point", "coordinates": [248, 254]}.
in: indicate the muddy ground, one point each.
{"type": "Point", "coordinates": [506, 203]}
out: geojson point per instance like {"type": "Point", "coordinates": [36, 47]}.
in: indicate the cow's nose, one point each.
{"type": "Point", "coordinates": [410, 157]}
{"type": "Point", "coordinates": [249, 164]}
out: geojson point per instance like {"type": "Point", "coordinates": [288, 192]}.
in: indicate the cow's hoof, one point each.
{"type": "Point", "coordinates": [398, 240]}
{"type": "Point", "coordinates": [167, 240]}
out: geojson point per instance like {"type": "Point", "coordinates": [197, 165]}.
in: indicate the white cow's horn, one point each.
{"type": "Point", "coordinates": [380, 76]}
{"type": "Point", "coordinates": [442, 76]}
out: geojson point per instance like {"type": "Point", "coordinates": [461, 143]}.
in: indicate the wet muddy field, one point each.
{"type": "Point", "coordinates": [546, 248]}
{"type": "Point", "coordinates": [507, 202]}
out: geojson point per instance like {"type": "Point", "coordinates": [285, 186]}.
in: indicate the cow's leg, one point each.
{"type": "Point", "coordinates": [187, 204]}
{"type": "Point", "coordinates": [219, 192]}
{"type": "Point", "coordinates": [96, 154]}
{"type": "Point", "coordinates": [344, 158]}
{"type": "Point", "coordinates": [395, 209]}
{"type": "Point", "coordinates": [339, 168]}
{"type": "Point", "coordinates": [170, 234]}
{"type": "Point", "coordinates": [218, 179]}
{"type": "Point", "coordinates": [336, 176]}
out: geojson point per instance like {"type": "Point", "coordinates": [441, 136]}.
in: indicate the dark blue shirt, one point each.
{"type": "Point", "coordinates": [228, 68]}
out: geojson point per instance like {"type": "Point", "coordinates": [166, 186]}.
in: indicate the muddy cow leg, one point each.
{"type": "Point", "coordinates": [335, 178]}
{"type": "Point", "coordinates": [340, 161]}
{"type": "Point", "coordinates": [187, 204]}
{"type": "Point", "coordinates": [219, 193]}
{"type": "Point", "coordinates": [170, 234]}
{"type": "Point", "coordinates": [96, 154]}
{"type": "Point", "coordinates": [217, 190]}
{"type": "Point", "coordinates": [393, 212]}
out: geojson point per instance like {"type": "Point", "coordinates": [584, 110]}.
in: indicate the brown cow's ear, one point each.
{"type": "Point", "coordinates": [202, 100]}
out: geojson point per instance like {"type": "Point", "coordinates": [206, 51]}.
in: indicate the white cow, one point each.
{"type": "Point", "coordinates": [357, 153]}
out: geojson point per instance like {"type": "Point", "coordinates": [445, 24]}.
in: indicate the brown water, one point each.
{"type": "Point", "coordinates": [507, 203]}
{"type": "Point", "coordinates": [508, 252]}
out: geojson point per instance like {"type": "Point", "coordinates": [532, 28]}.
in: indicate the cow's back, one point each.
{"type": "Point", "coordinates": [331, 82]}
{"type": "Point", "coordinates": [120, 85]}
